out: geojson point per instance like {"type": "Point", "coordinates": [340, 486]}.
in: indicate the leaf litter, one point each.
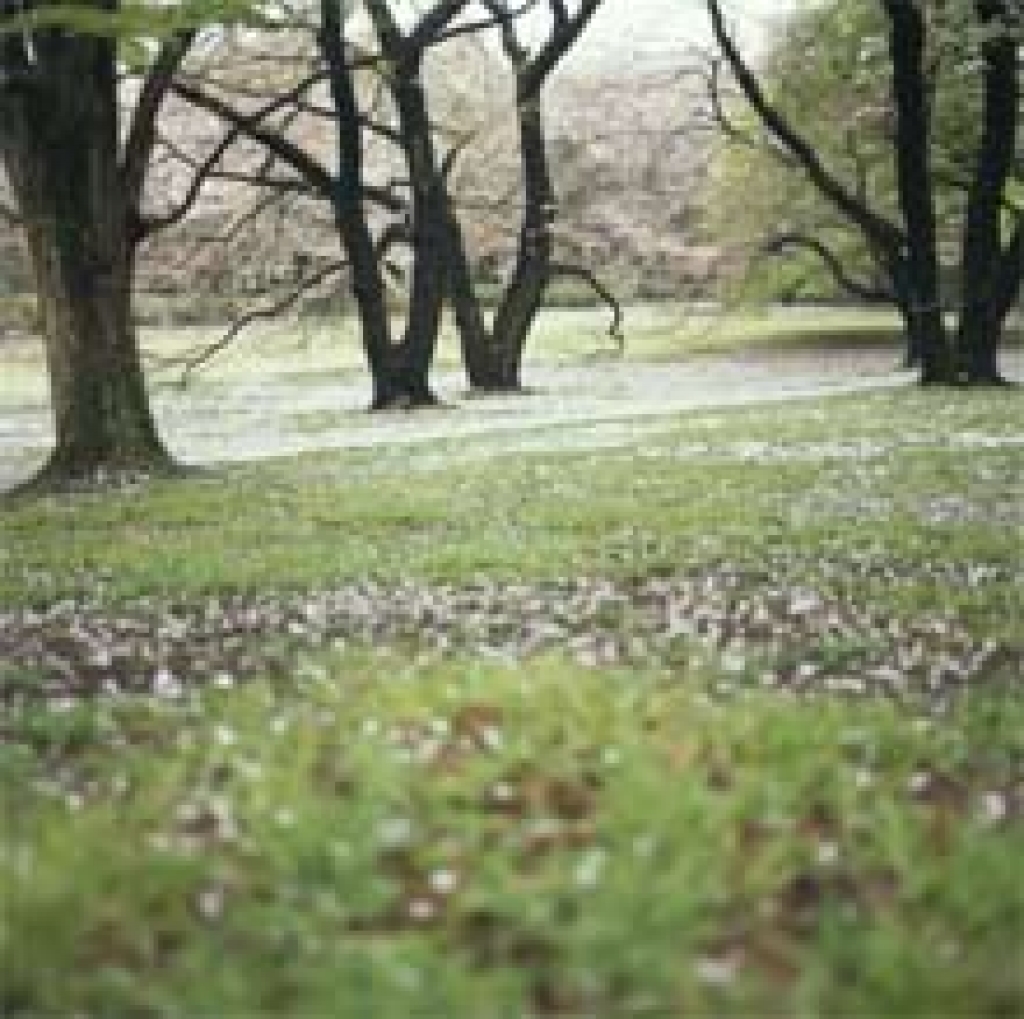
{"type": "Point", "coordinates": [754, 625]}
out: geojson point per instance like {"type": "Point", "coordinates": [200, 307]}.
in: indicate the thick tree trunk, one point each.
{"type": "Point", "coordinates": [926, 330]}
{"type": "Point", "coordinates": [60, 147]}
{"type": "Point", "coordinates": [984, 307]}
{"type": "Point", "coordinates": [350, 215]}
{"type": "Point", "coordinates": [525, 293]}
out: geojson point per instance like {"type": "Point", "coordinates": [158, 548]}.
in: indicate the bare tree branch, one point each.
{"type": "Point", "coordinates": [858, 288]}
{"type": "Point", "coordinates": [194, 361]}
{"type": "Point", "coordinates": [309, 168]}
{"type": "Point", "coordinates": [207, 167]}
{"type": "Point", "coordinates": [580, 272]}
{"type": "Point", "coordinates": [251, 125]}
{"type": "Point", "coordinates": [434, 23]}
{"type": "Point", "coordinates": [879, 229]}
{"type": "Point", "coordinates": [263, 204]}
{"type": "Point", "coordinates": [564, 35]}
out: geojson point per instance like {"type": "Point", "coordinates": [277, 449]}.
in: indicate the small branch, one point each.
{"type": "Point", "coordinates": [726, 125]}
{"type": "Point", "coordinates": [192, 362]}
{"type": "Point", "coordinates": [451, 157]}
{"type": "Point", "coordinates": [271, 139]}
{"type": "Point", "coordinates": [258, 177]}
{"type": "Point", "coordinates": [434, 23]}
{"type": "Point", "coordinates": [148, 225]}
{"type": "Point", "coordinates": [205, 170]}
{"type": "Point", "coordinates": [563, 37]}
{"type": "Point", "coordinates": [320, 181]}
{"type": "Point", "coordinates": [861, 168]}
{"type": "Point", "coordinates": [393, 233]}
{"type": "Point", "coordinates": [573, 271]}
{"type": "Point", "coordinates": [264, 204]}
{"type": "Point", "coordinates": [858, 288]}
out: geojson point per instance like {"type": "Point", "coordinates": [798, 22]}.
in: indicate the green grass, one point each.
{"type": "Point", "coordinates": [383, 839]}
{"type": "Point", "coordinates": [793, 485]}
{"type": "Point", "coordinates": [383, 829]}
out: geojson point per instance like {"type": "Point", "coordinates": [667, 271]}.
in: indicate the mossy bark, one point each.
{"type": "Point", "coordinates": [60, 147]}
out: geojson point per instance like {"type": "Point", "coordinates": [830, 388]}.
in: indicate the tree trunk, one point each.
{"type": "Point", "coordinates": [493, 360]}
{"type": "Point", "coordinates": [984, 308]}
{"type": "Point", "coordinates": [926, 330]}
{"type": "Point", "coordinates": [349, 213]}
{"type": "Point", "coordinates": [429, 240]}
{"type": "Point", "coordinates": [60, 147]}
{"type": "Point", "coordinates": [1011, 273]}
{"type": "Point", "coordinates": [474, 339]}
{"type": "Point", "coordinates": [522, 299]}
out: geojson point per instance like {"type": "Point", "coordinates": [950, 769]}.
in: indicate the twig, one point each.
{"type": "Point", "coordinates": [574, 271]}
{"type": "Point", "coordinates": [192, 362]}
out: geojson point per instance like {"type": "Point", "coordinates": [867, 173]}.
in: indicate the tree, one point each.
{"type": "Point", "coordinates": [347, 202]}
{"type": "Point", "coordinates": [900, 190]}
{"type": "Point", "coordinates": [428, 219]}
{"type": "Point", "coordinates": [78, 190]}
{"type": "Point", "coordinates": [403, 53]}
{"type": "Point", "coordinates": [494, 359]}
{"type": "Point", "coordinates": [991, 272]}
{"type": "Point", "coordinates": [491, 356]}
{"type": "Point", "coordinates": [400, 369]}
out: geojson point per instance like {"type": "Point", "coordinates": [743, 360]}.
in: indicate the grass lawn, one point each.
{"type": "Point", "coordinates": [724, 721]}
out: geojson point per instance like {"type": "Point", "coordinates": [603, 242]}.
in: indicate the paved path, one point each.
{"type": "Point", "coordinates": [595, 405]}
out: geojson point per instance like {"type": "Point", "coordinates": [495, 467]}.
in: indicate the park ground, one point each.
{"type": "Point", "coordinates": [688, 684]}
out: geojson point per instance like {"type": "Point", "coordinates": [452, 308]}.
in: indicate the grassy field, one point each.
{"type": "Point", "coordinates": [726, 720]}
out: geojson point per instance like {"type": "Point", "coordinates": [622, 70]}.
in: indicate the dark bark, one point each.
{"type": "Point", "coordinates": [926, 331]}
{"type": "Point", "coordinates": [60, 145]}
{"type": "Point", "coordinates": [345, 190]}
{"type": "Point", "coordinates": [908, 253]}
{"type": "Point", "coordinates": [441, 264]}
{"type": "Point", "coordinates": [475, 339]}
{"type": "Point", "coordinates": [523, 297]}
{"type": "Point", "coordinates": [494, 361]}
{"type": "Point", "coordinates": [430, 235]}
{"type": "Point", "coordinates": [863, 290]}
{"type": "Point", "coordinates": [431, 223]}
{"type": "Point", "coordinates": [142, 131]}
{"type": "Point", "coordinates": [880, 233]}
{"type": "Point", "coordinates": [985, 280]}
{"type": "Point", "coordinates": [349, 213]}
